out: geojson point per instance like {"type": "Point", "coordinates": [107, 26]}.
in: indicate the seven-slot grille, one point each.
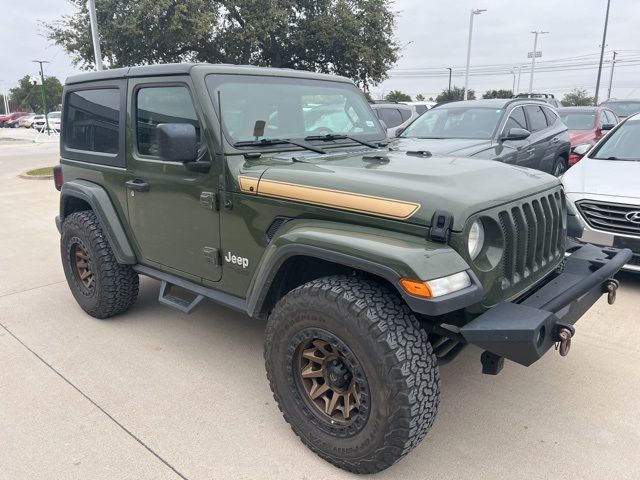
{"type": "Point", "coordinates": [534, 236]}
{"type": "Point", "coordinates": [610, 217]}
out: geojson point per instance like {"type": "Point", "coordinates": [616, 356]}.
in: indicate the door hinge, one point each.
{"type": "Point", "coordinates": [210, 201]}
{"type": "Point", "coordinates": [212, 255]}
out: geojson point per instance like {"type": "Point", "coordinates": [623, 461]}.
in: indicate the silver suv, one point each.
{"type": "Point", "coordinates": [603, 194]}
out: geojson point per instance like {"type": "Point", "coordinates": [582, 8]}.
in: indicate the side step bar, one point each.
{"type": "Point", "coordinates": [200, 293]}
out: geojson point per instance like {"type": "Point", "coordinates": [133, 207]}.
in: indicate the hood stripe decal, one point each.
{"type": "Point", "coordinates": [355, 202]}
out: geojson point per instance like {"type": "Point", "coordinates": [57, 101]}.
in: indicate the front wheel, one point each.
{"type": "Point", "coordinates": [352, 372]}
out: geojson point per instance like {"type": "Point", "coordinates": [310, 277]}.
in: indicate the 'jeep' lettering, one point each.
{"type": "Point", "coordinates": [236, 260]}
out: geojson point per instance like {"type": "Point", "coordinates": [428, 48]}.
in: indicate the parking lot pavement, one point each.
{"type": "Point", "coordinates": [158, 394]}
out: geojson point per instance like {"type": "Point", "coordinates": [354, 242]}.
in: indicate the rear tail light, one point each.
{"type": "Point", "coordinates": [57, 177]}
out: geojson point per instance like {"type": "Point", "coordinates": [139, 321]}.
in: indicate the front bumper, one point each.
{"type": "Point", "coordinates": [523, 331]}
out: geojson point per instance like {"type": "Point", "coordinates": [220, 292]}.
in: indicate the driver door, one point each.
{"type": "Point", "coordinates": [523, 154]}
{"type": "Point", "coordinates": [174, 229]}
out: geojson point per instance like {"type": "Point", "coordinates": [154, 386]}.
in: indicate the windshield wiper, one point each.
{"type": "Point", "coordinates": [267, 142]}
{"type": "Point", "coordinates": [331, 136]}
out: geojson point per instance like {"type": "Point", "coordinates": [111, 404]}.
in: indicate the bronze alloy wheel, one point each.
{"type": "Point", "coordinates": [332, 382]}
{"type": "Point", "coordinates": [81, 263]}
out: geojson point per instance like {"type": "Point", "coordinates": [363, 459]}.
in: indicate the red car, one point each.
{"type": "Point", "coordinates": [586, 126]}
{"type": "Point", "coordinates": [11, 116]}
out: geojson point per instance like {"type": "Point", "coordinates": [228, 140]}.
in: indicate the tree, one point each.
{"type": "Point", "coordinates": [420, 97]}
{"type": "Point", "coordinates": [27, 96]}
{"type": "Point", "coordinates": [497, 94]}
{"type": "Point", "coordinates": [397, 96]}
{"type": "Point", "coordinates": [456, 93]}
{"type": "Point", "coordinates": [353, 38]}
{"type": "Point", "coordinates": [578, 97]}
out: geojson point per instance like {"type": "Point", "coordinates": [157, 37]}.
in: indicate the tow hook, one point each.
{"type": "Point", "coordinates": [610, 287]}
{"type": "Point", "coordinates": [563, 338]}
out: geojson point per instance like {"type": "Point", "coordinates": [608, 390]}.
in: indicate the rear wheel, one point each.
{"type": "Point", "coordinates": [352, 372]}
{"type": "Point", "coordinates": [100, 285]}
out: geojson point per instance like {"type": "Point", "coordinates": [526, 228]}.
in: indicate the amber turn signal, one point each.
{"type": "Point", "coordinates": [416, 288]}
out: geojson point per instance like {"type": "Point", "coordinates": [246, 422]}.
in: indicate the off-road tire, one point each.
{"type": "Point", "coordinates": [395, 355]}
{"type": "Point", "coordinates": [116, 285]}
{"type": "Point", "coordinates": [559, 167]}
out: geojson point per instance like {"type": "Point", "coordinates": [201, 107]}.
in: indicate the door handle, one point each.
{"type": "Point", "coordinates": [531, 150]}
{"type": "Point", "coordinates": [555, 140]}
{"type": "Point", "coordinates": [137, 185]}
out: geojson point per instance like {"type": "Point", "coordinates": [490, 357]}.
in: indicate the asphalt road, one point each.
{"type": "Point", "coordinates": [156, 394]}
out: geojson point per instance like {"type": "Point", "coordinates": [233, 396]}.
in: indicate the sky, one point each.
{"type": "Point", "coordinates": [434, 36]}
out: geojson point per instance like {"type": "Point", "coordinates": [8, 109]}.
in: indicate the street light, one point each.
{"type": "Point", "coordinates": [604, 41]}
{"type": "Point", "coordinates": [533, 57]}
{"type": "Point", "coordinates": [466, 74]}
{"type": "Point", "coordinates": [95, 35]}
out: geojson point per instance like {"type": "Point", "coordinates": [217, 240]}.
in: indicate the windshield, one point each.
{"type": "Point", "coordinates": [578, 120]}
{"type": "Point", "coordinates": [621, 144]}
{"type": "Point", "coordinates": [624, 109]}
{"type": "Point", "coordinates": [455, 122]}
{"type": "Point", "coordinates": [261, 107]}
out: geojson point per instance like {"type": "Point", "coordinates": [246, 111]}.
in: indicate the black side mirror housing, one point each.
{"type": "Point", "coordinates": [177, 142]}
{"type": "Point", "coordinates": [607, 126]}
{"type": "Point", "coordinates": [516, 134]}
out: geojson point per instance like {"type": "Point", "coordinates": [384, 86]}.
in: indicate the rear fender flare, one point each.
{"type": "Point", "coordinates": [98, 199]}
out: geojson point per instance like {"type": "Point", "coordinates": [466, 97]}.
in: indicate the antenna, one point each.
{"type": "Point", "coordinates": [223, 162]}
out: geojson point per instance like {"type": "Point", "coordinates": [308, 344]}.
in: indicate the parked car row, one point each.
{"type": "Point", "coordinates": [30, 120]}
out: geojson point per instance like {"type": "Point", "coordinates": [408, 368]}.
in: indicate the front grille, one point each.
{"type": "Point", "coordinates": [534, 237]}
{"type": "Point", "coordinates": [609, 217]}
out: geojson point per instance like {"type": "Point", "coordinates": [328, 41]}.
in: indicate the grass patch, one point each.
{"type": "Point", "coordinates": [41, 172]}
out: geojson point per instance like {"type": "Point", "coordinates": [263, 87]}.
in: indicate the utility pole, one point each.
{"type": "Point", "coordinates": [613, 64]}
{"type": "Point", "coordinates": [533, 58]}
{"type": "Point", "coordinates": [43, 93]}
{"type": "Point", "coordinates": [474, 12]}
{"type": "Point", "coordinates": [518, 85]}
{"type": "Point", "coordinates": [5, 101]}
{"type": "Point", "coordinates": [513, 89]}
{"type": "Point", "coordinates": [95, 36]}
{"type": "Point", "coordinates": [449, 68]}
{"type": "Point", "coordinates": [604, 41]}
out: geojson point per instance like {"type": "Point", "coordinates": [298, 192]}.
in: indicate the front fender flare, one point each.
{"type": "Point", "coordinates": [389, 255]}
{"type": "Point", "coordinates": [101, 204]}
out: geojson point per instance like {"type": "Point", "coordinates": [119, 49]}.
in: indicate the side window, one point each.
{"type": "Point", "coordinates": [611, 117]}
{"type": "Point", "coordinates": [516, 120]}
{"type": "Point", "coordinates": [91, 120]}
{"type": "Point", "coordinates": [537, 119]}
{"type": "Point", "coordinates": [405, 113]}
{"type": "Point", "coordinates": [163, 104]}
{"type": "Point", "coordinates": [551, 116]}
{"type": "Point", "coordinates": [391, 117]}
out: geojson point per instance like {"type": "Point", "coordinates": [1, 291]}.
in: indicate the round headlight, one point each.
{"type": "Point", "coordinates": [476, 239]}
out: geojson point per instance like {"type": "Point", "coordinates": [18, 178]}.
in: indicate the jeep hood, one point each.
{"type": "Point", "coordinates": [389, 188]}
{"type": "Point", "coordinates": [462, 147]}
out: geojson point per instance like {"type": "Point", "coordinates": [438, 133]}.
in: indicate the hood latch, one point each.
{"type": "Point", "coordinates": [441, 223]}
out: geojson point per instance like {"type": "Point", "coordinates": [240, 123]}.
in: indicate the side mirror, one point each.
{"type": "Point", "coordinates": [177, 142]}
{"type": "Point", "coordinates": [516, 134]}
{"type": "Point", "coordinates": [581, 149]}
{"type": "Point", "coordinates": [607, 126]}
{"type": "Point", "coordinates": [399, 131]}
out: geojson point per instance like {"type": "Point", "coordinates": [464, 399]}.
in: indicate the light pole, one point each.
{"type": "Point", "coordinates": [513, 89]}
{"type": "Point", "coordinates": [613, 64]}
{"type": "Point", "coordinates": [518, 85]}
{"type": "Point", "coordinates": [4, 99]}
{"type": "Point", "coordinates": [474, 12]}
{"type": "Point", "coordinates": [449, 68]}
{"type": "Point", "coordinates": [43, 93]}
{"type": "Point", "coordinates": [604, 41]}
{"type": "Point", "coordinates": [533, 58]}
{"type": "Point", "coordinates": [95, 36]}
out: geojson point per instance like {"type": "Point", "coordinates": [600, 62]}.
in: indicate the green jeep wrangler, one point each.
{"type": "Point", "coordinates": [273, 192]}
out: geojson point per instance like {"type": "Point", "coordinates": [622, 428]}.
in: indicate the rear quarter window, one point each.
{"type": "Point", "coordinates": [92, 124]}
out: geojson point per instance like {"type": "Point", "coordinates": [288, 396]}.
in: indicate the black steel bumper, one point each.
{"type": "Point", "coordinates": [524, 330]}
